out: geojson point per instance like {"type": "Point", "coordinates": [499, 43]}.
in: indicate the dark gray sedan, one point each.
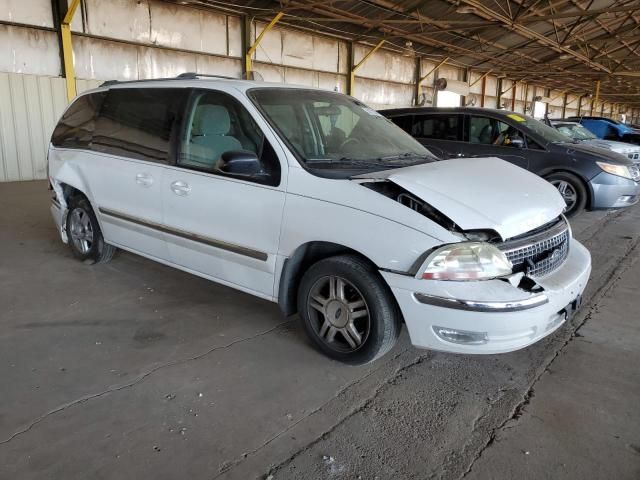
{"type": "Point", "coordinates": [588, 177]}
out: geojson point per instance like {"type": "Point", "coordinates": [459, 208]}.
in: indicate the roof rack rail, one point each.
{"type": "Point", "coordinates": [182, 76]}
{"type": "Point", "coordinates": [195, 75]}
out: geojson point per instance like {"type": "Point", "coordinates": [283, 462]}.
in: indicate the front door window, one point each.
{"type": "Point", "coordinates": [489, 131]}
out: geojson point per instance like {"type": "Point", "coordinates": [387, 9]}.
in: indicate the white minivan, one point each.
{"type": "Point", "coordinates": [311, 199]}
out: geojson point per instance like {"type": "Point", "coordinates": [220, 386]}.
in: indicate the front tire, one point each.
{"type": "Point", "coordinates": [573, 191]}
{"type": "Point", "coordinates": [84, 234]}
{"type": "Point", "coordinates": [347, 310]}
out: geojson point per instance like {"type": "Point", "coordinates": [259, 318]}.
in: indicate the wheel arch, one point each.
{"type": "Point", "coordinates": [585, 182]}
{"type": "Point", "coordinates": [297, 264]}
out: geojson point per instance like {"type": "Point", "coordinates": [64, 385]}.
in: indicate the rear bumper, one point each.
{"type": "Point", "coordinates": [611, 191]}
{"type": "Point", "coordinates": [489, 316]}
{"type": "Point", "coordinates": [58, 214]}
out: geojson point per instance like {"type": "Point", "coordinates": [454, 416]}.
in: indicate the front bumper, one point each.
{"type": "Point", "coordinates": [507, 317]}
{"type": "Point", "coordinates": [611, 191]}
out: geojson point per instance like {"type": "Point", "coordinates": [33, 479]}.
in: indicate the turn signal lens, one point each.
{"type": "Point", "coordinates": [466, 261]}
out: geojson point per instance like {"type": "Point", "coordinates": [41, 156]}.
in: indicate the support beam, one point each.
{"type": "Point", "coordinates": [356, 67]}
{"type": "Point", "coordinates": [513, 96]}
{"type": "Point", "coordinates": [426, 75]}
{"type": "Point", "coordinates": [564, 105]}
{"type": "Point", "coordinates": [67, 50]}
{"type": "Point", "coordinates": [417, 76]}
{"type": "Point", "coordinates": [466, 76]}
{"type": "Point", "coordinates": [248, 60]}
{"type": "Point", "coordinates": [484, 75]}
{"type": "Point", "coordinates": [484, 89]}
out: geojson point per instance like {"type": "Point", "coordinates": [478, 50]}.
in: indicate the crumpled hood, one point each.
{"type": "Point", "coordinates": [481, 193]}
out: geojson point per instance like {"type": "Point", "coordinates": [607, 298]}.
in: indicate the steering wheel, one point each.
{"type": "Point", "coordinates": [349, 141]}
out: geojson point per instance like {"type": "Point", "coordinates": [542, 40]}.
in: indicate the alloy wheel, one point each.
{"type": "Point", "coordinates": [339, 314]}
{"type": "Point", "coordinates": [81, 230]}
{"type": "Point", "coordinates": [567, 191]}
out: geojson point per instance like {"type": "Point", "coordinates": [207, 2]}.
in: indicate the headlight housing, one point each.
{"type": "Point", "coordinates": [619, 170]}
{"type": "Point", "coordinates": [465, 261]}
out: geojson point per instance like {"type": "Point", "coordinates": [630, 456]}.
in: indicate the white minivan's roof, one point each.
{"type": "Point", "coordinates": [198, 80]}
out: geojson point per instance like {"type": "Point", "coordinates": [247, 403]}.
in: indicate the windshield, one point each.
{"type": "Point", "coordinates": [331, 130]}
{"type": "Point", "coordinates": [575, 131]}
{"type": "Point", "coordinates": [550, 134]}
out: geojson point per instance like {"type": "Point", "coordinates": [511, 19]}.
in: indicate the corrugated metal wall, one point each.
{"type": "Point", "coordinates": [137, 39]}
{"type": "Point", "coordinates": [28, 114]}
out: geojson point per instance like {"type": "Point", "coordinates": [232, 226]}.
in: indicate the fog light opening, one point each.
{"type": "Point", "coordinates": [462, 337]}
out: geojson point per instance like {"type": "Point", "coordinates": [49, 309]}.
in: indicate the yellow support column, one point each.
{"type": "Point", "coordinates": [352, 73]}
{"type": "Point", "coordinates": [248, 61]}
{"type": "Point", "coordinates": [67, 50]}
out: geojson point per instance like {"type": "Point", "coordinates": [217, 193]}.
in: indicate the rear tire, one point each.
{"type": "Point", "coordinates": [84, 234]}
{"type": "Point", "coordinates": [573, 191]}
{"type": "Point", "coordinates": [347, 310]}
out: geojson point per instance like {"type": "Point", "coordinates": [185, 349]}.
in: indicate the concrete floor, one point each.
{"type": "Point", "coordinates": [135, 370]}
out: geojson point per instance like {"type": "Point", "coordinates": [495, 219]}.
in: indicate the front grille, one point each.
{"type": "Point", "coordinates": [541, 253]}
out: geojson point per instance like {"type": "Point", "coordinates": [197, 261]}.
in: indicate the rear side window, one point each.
{"type": "Point", "coordinates": [438, 127]}
{"type": "Point", "coordinates": [137, 123]}
{"type": "Point", "coordinates": [405, 122]}
{"type": "Point", "coordinates": [75, 128]}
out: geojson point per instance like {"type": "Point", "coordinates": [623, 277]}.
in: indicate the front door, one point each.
{"type": "Point", "coordinates": [218, 225]}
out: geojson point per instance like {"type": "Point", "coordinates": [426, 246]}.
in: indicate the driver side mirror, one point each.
{"type": "Point", "coordinates": [241, 163]}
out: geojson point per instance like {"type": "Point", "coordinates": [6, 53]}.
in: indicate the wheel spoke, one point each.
{"type": "Point", "coordinates": [562, 187]}
{"type": "Point", "coordinates": [333, 288]}
{"type": "Point", "coordinates": [340, 289]}
{"type": "Point", "coordinates": [317, 302]}
{"type": "Point", "coordinates": [324, 328]}
{"type": "Point", "coordinates": [331, 334]}
{"type": "Point", "coordinates": [88, 235]}
{"type": "Point", "coordinates": [352, 335]}
{"type": "Point", "coordinates": [359, 314]}
{"type": "Point", "coordinates": [353, 306]}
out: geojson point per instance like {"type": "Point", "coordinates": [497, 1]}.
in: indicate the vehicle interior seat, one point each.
{"type": "Point", "coordinates": [210, 135]}
{"type": "Point", "coordinates": [485, 135]}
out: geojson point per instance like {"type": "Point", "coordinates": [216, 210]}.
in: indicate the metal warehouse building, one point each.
{"type": "Point", "coordinates": [387, 54]}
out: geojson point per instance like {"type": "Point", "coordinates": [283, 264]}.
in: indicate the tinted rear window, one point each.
{"type": "Point", "coordinates": [439, 126]}
{"type": "Point", "coordinates": [137, 123]}
{"type": "Point", "coordinates": [75, 128]}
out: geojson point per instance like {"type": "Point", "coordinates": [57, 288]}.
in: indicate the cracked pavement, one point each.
{"type": "Point", "coordinates": [134, 370]}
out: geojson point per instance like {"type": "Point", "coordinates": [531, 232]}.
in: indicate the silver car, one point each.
{"type": "Point", "coordinates": [581, 134]}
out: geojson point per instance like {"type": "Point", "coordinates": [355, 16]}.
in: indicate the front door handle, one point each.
{"type": "Point", "coordinates": [144, 179]}
{"type": "Point", "coordinates": [180, 188]}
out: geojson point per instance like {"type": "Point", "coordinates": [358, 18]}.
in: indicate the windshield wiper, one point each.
{"type": "Point", "coordinates": [405, 156]}
{"type": "Point", "coordinates": [351, 161]}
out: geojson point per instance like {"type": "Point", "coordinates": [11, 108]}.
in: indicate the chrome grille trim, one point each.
{"type": "Point", "coordinates": [541, 253]}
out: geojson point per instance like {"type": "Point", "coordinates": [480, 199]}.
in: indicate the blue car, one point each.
{"type": "Point", "coordinates": [609, 129]}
